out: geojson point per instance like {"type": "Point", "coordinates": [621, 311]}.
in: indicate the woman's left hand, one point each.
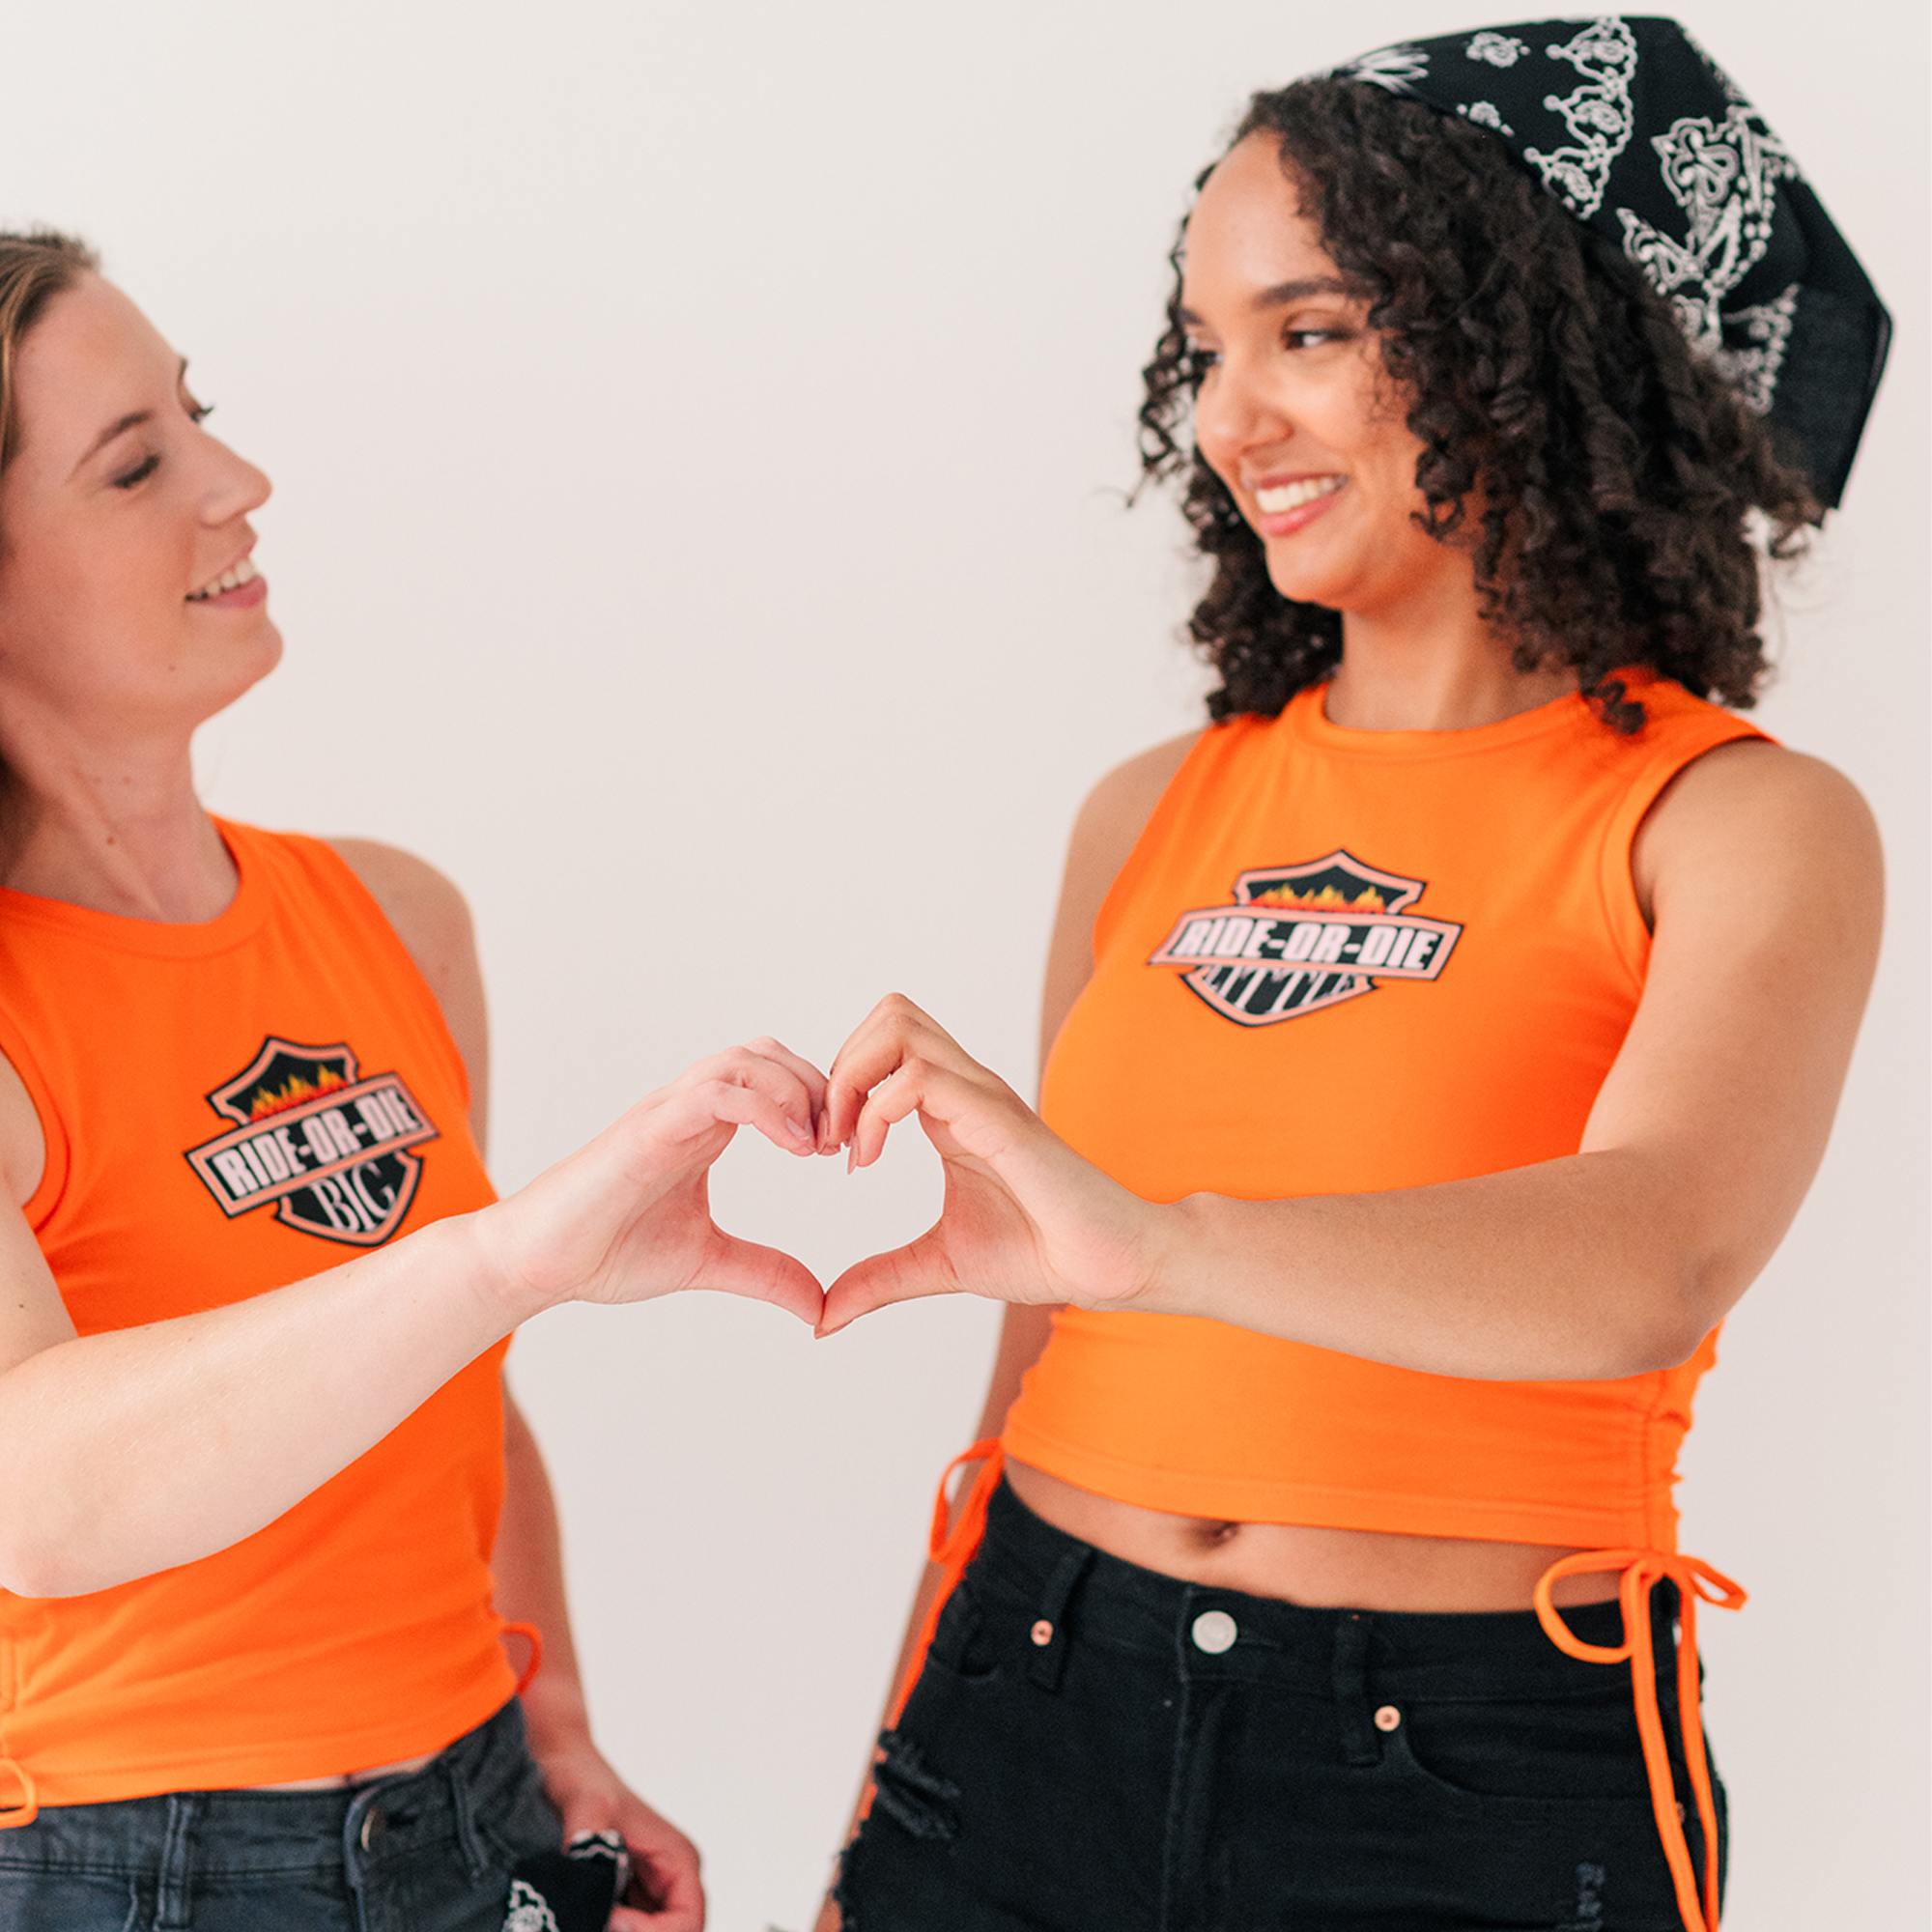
{"type": "Point", "coordinates": [1025, 1219]}
{"type": "Point", "coordinates": [665, 1892]}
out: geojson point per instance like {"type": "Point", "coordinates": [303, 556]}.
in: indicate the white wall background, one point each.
{"type": "Point", "coordinates": [699, 433]}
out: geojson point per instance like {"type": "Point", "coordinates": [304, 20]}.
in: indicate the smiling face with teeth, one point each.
{"type": "Point", "coordinates": [1296, 413]}
{"type": "Point", "coordinates": [129, 600]}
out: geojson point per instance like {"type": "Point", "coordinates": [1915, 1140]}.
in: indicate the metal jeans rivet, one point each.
{"type": "Point", "coordinates": [372, 1826]}
{"type": "Point", "coordinates": [1388, 1717]}
{"type": "Point", "coordinates": [1043, 1632]}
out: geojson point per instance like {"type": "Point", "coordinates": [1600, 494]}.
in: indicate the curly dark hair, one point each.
{"type": "Point", "coordinates": [1618, 473]}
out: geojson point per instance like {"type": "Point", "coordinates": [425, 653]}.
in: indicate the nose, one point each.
{"type": "Point", "coordinates": [1234, 413]}
{"type": "Point", "coordinates": [233, 486]}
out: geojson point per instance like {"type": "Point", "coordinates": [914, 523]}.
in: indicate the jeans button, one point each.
{"type": "Point", "coordinates": [1214, 1630]}
{"type": "Point", "coordinates": [374, 1825]}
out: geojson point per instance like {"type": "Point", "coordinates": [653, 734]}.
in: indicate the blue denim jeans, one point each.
{"type": "Point", "coordinates": [1094, 1747]}
{"type": "Point", "coordinates": [427, 1853]}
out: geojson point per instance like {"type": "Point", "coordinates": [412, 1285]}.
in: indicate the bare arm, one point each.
{"type": "Point", "coordinates": [1610, 1262]}
{"type": "Point", "coordinates": [142, 1448]}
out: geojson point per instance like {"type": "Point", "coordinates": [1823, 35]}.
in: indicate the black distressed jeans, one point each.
{"type": "Point", "coordinates": [1094, 1747]}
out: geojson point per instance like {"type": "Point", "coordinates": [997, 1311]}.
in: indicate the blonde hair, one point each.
{"type": "Point", "coordinates": [34, 268]}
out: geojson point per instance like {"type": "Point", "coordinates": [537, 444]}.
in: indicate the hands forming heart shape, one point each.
{"type": "Point", "coordinates": [1025, 1219]}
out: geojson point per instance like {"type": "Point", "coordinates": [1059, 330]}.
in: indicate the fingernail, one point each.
{"type": "Point", "coordinates": [852, 1157]}
{"type": "Point", "coordinates": [799, 1131]}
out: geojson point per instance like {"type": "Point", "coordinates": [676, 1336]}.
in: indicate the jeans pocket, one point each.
{"type": "Point", "coordinates": [1553, 1751]}
{"type": "Point", "coordinates": [982, 1631]}
{"type": "Point", "coordinates": [1568, 1845]}
{"type": "Point", "coordinates": [52, 1901]}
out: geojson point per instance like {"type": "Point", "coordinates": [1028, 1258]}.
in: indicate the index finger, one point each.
{"type": "Point", "coordinates": [808, 1075]}
{"type": "Point", "coordinates": [877, 1046]}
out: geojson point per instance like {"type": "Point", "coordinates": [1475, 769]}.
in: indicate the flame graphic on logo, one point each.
{"type": "Point", "coordinates": [292, 1092]}
{"type": "Point", "coordinates": [1327, 900]}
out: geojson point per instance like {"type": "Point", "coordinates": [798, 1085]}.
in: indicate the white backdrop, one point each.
{"type": "Point", "coordinates": [699, 435]}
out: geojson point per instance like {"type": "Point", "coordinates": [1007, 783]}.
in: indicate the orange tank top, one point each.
{"type": "Point", "coordinates": [1341, 961]}
{"type": "Point", "coordinates": [229, 1107]}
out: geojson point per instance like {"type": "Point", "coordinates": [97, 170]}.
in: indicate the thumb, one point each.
{"type": "Point", "coordinates": [900, 1274]}
{"type": "Point", "coordinates": [762, 1274]}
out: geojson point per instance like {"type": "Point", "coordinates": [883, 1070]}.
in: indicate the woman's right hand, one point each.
{"type": "Point", "coordinates": [134, 1450]}
{"type": "Point", "coordinates": [628, 1217]}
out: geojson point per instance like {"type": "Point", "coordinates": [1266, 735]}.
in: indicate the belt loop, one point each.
{"type": "Point", "coordinates": [460, 1803]}
{"type": "Point", "coordinates": [356, 1835]}
{"type": "Point", "coordinates": [173, 1905]}
{"type": "Point", "coordinates": [1360, 1745]}
{"type": "Point", "coordinates": [1049, 1632]}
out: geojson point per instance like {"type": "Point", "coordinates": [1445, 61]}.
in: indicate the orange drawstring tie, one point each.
{"type": "Point", "coordinates": [24, 1809]}
{"type": "Point", "coordinates": [1642, 1571]}
{"type": "Point", "coordinates": [534, 1639]}
{"type": "Point", "coordinates": [951, 1549]}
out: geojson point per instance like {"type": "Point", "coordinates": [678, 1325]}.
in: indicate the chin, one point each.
{"type": "Point", "coordinates": [1305, 586]}
{"type": "Point", "coordinates": [253, 658]}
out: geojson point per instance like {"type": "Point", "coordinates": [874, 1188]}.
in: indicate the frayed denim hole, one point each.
{"type": "Point", "coordinates": [916, 1798]}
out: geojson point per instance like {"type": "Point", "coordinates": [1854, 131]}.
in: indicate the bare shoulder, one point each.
{"type": "Point", "coordinates": [1113, 818]}
{"type": "Point", "coordinates": [430, 914]}
{"type": "Point", "coordinates": [1752, 824]}
{"type": "Point", "coordinates": [1117, 809]}
{"type": "Point", "coordinates": [432, 920]}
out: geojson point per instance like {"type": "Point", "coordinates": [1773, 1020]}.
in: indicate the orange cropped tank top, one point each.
{"type": "Point", "coordinates": [229, 1107]}
{"type": "Point", "coordinates": [1338, 962]}
{"type": "Point", "coordinates": [1341, 961]}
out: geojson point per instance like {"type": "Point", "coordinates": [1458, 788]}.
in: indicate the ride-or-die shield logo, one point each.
{"type": "Point", "coordinates": [330, 1151]}
{"type": "Point", "coordinates": [1295, 939]}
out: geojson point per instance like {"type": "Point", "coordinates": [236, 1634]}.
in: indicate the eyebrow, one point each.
{"type": "Point", "coordinates": [1284, 292]}
{"type": "Point", "coordinates": [133, 420]}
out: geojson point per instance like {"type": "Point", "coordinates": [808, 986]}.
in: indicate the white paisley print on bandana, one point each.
{"type": "Point", "coordinates": [1598, 115]}
{"type": "Point", "coordinates": [1640, 135]}
{"type": "Point", "coordinates": [1753, 372]}
{"type": "Point", "coordinates": [1498, 49]}
{"type": "Point", "coordinates": [1486, 114]}
{"type": "Point", "coordinates": [1724, 176]}
{"type": "Point", "coordinates": [1392, 68]}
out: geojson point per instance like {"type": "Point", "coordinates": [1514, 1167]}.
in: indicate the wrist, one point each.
{"type": "Point", "coordinates": [1171, 1236]}
{"type": "Point", "coordinates": [555, 1719]}
{"type": "Point", "coordinates": [489, 1264]}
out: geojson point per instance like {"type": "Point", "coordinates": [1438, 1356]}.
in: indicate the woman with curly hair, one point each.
{"type": "Point", "coordinates": [1438, 1044]}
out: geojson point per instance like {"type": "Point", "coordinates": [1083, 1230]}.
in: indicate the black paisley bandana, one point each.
{"type": "Point", "coordinates": [1631, 125]}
